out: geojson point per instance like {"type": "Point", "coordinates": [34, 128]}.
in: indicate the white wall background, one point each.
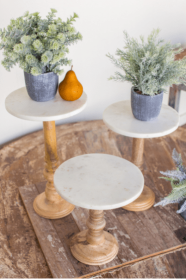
{"type": "Point", "coordinates": [101, 22]}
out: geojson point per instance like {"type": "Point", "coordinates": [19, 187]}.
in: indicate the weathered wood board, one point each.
{"type": "Point", "coordinates": [138, 236]}
{"type": "Point", "coordinates": [165, 265]}
{"type": "Point", "coordinates": [22, 164]}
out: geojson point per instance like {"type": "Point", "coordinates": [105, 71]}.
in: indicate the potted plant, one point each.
{"type": "Point", "coordinates": [149, 66]}
{"type": "Point", "coordinates": [177, 178]}
{"type": "Point", "coordinates": [39, 46]}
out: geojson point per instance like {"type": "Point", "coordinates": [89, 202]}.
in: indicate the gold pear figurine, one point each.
{"type": "Point", "coordinates": [70, 88]}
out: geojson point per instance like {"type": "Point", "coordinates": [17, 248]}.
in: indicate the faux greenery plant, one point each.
{"type": "Point", "coordinates": [38, 45]}
{"type": "Point", "coordinates": [177, 179]}
{"type": "Point", "coordinates": [149, 66]}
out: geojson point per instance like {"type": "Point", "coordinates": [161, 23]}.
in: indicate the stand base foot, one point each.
{"type": "Point", "coordinates": [49, 210]}
{"type": "Point", "coordinates": [93, 254]}
{"type": "Point", "coordinates": [143, 202]}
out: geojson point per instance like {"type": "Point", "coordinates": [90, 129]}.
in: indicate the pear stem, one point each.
{"type": "Point", "coordinates": [71, 67]}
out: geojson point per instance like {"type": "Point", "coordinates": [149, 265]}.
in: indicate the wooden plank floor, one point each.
{"type": "Point", "coordinates": [148, 232]}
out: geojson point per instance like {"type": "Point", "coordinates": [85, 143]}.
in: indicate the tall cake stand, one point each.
{"type": "Point", "coordinates": [48, 204]}
{"type": "Point", "coordinates": [97, 182]}
{"type": "Point", "coordinates": [119, 118]}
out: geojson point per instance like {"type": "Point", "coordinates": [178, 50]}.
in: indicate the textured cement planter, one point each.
{"type": "Point", "coordinates": [146, 107]}
{"type": "Point", "coordinates": [42, 87]}
{"type": "Point", "coordinates": [183, 214]}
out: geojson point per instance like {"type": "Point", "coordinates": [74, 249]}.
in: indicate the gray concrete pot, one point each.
{"type": "Point", "coordinates": [146, 107]}
{"type": "Point", "coordinates": [42, 87]}
{"type": "Point", "coordinates": [183, 214]}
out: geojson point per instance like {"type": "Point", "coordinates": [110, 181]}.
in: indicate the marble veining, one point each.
{"type": "Point", "coordinates": [19, 104]}
{"type": "Point", "coordinates": [119, 118]}
{"type": "Point", "coordinates": [98, 181]}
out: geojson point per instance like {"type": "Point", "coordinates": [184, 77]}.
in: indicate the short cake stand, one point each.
{"type": "Point", "coordinates": [119, 118]}
{"type": "Point", "coordinates": [47, 204]}
{"type": "Point", "coordinates": [97, 182]}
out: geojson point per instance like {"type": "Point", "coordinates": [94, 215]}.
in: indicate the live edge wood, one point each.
{"type": "Point", "coordinates": [151, 243]}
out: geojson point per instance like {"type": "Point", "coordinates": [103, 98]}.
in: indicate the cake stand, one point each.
{"type": "Point", "coordinates": [97, 182]}
{"type": "Point", "coordinates": [119, 118]}
{"type": "Point", "coordinates": [48, 204]}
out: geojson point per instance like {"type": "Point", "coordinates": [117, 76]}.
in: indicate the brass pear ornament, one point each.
{"type": "Point", "coordinates": [70, 88]}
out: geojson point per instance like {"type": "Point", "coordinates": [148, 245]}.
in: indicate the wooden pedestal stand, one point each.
{"type": "Point", "coordinates": [94, 246]}
{"type": "Point", "coordinates": [119, 118]}
{"type": "Point", "coordinates": [107, 189]}
{"type": "Point", "coordinates": [49, 204]}
{"type": "Point", "coordinates": [147, 198]}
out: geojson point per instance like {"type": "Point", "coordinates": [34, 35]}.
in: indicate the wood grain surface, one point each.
{"type": "Point", "coordinates": [147, 197]}
{"type": "Point", "coordinates": [49, 204]}
{"type": "Point", "coordinates": [154, 230]}
{"type": "Point", "coordinates": [165, 265]}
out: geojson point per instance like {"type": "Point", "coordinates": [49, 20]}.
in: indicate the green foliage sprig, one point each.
{"type": "Point", "coordinates": [177, 178]}
{"type": "Point", "coordinates": [38, 45]}
{"type": "Point", "coordinates": [149, 66]}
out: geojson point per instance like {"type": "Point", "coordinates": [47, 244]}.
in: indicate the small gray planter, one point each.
{"type": "Point", "coordinates": [146, 107]}
{"type": "Point", "coordinates": [42, 87]}
{"type": "Point", "coordinates": [183, 214]}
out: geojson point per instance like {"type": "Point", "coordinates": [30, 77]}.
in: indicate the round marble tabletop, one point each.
{"type": "Point", "coordinates": [98, 181]}
{"type": "Point", "coordinates": [119, 118]}
{"type": "Point", "coordinates": [19, 104]}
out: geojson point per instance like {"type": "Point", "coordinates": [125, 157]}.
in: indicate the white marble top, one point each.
{"type": "Point", "coordinates": [98, 181]}
{"type": "Point", "coordinates": [19, 104]}
{"type": "Point", "coordinates": [119, 118]}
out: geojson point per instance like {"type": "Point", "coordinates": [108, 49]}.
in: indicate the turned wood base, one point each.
{"type": "Point", "coordinates": [49, 204]}
{"type": "Point", "coordinates": [147, 198]}
{"type": "Point", "coordinates": [94, 254]}
{"type": "Point", "coordinates": [49, 210]}
{"type": "Point", "coordinates": [143, 202]}
{"type": "Point", "coordinates": [94, 246]}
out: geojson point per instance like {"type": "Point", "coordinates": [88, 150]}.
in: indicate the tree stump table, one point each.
{"type": "Point", "coordinates": [119, 118]}
{"type": "Point", "coordinates": [97, 182]}
{"type": "Point", "coordinates": [48, 204]}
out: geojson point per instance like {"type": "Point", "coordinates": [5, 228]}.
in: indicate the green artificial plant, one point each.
{"type": "Point", "coordinates": [38, 45]}
{"type": "Point", "coordinates": [177, 178]}
{"type": "Point", "coordinates": [149, 65]}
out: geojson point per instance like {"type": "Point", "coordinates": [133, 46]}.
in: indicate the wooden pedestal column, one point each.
{"type": "Point", "coordinates": [49, 204]}
{"type": "Point", "coordinates": [147, 198]}
{"type": "Point", "coordinates": [94, 246]}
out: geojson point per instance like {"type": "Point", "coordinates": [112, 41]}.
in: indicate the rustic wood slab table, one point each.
{"type": "Point", "coordinates": [119, 118]}
{"type": "Point", "coordinates": [48, 204]}
{"type": "Point", "coordinates": [97, 182]}
{"type": "Point", "coordinates": [151, 243]}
